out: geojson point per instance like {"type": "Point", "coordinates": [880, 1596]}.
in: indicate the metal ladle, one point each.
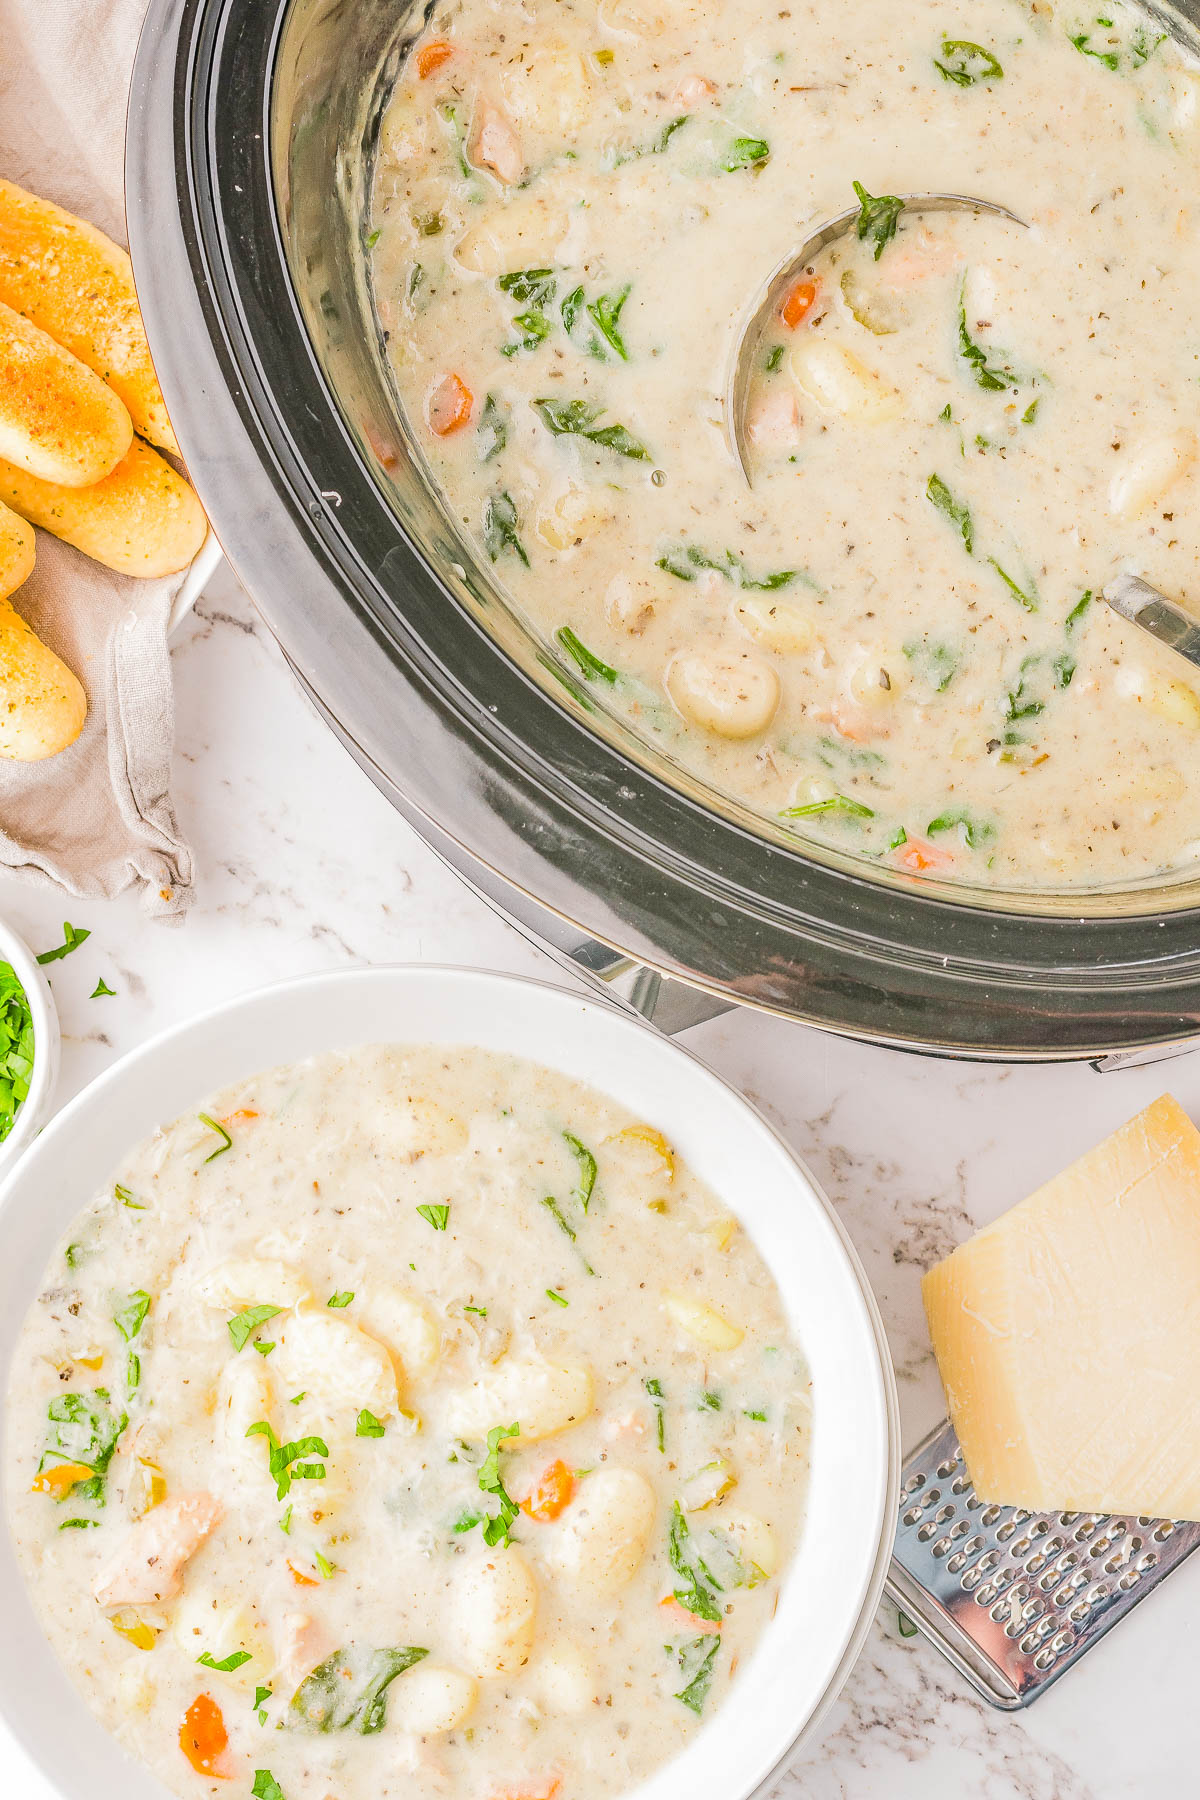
{"type": "Point", "coordinates": [1134, 599]}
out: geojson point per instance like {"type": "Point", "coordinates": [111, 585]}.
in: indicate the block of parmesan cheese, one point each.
{"type": "Point", "coordinates": [1068, 1332]}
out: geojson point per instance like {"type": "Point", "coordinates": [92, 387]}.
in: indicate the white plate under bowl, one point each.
{"type": "Point", "coordinates": [33, 1111]}
{"type": "Point", "coordinates": [832, 1586]}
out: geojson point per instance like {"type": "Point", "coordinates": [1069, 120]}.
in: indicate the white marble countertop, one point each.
{"type": "Point", "coordinates": [303, 866]}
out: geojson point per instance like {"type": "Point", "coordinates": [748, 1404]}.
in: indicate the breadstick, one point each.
{"type": "Point", "coordinates": [143, 519]}
{"type": "Point", "coordinates": [42, 705]}
{"type": "Point", "coordinates": [57, 419]}
{"type": "Point", "coordinates": [77, 285]}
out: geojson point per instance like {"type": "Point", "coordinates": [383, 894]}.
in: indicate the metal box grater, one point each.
{"type": "Point", "coordinates": [1013, 1598]}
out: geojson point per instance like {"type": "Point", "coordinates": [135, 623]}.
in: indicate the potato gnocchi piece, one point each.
{"type": "Point", "coordinates": [432, 1699]}
{"type": "Point", "coordinates": [335, 1363]}
{"type": "Point", "coordinates": [253, 1281]}
{"type": "Point", "coordinates": [564, 1679]}
{"type": "Point", "coordinates": [1174, 701]}
{"type": "Point", "coordinates": [526, 233]}
{"type": "Point", "coordinates": [779, 624]}
{"type": "Point", "coordinates": [732, 693]}
{"type": "Point", "coordinates": [220, 1626]}
{"type": "Point", "coordinates": [708, 1485]}
{"type": "Point", "coordinates": [574, 516]}
{"type": "Point", "coordinates": [703, 1322]}
{"type": "Point", "coordinates": [497, 1605]}
{"type": "Point", "coordinates": [403, 1324]}
{"type": "Point", "coordinates": [753, 1539]}
{"type": "Point", "coordinates": [548, 91]}
{"type": "Point", "coordinates": [841, 382]}
{"type": "Point", "coordinates": [542, 1397]}
{"type": "Point", "coordinates": [603, 1536]}
{"type": "Point", "coordinates": [1147, 470]}
{"type": "Point", "coordinates": [245, 1394]}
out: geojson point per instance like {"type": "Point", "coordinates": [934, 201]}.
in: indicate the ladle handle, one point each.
{"type": "Point", "coordinates": [1146, 607]}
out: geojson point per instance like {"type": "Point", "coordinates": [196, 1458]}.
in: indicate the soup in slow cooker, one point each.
{"type": "Point", "coordinates": [406, 1422]}
{"type": "Point", "coordinates": [960, 427]}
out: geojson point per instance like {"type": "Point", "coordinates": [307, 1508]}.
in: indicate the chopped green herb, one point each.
{"type": "Point", "coordinates": [774, 359]}
{"type": "Point", "coordinates": [368, 1425]}
{"type": "Point", "coordinates": [78, 1524]}
{"type": "Point", "coordinates": [325, 1569]}
{"type": "Point", "coordinates": [437, 1216]}
{"type": "Point", "coordinates": [606, 311]}
{"type": "Point", "coordinates": [1030, 413]}
{"type": "Point", "coordinates": [589, 665]}
{"type": "Point", "coordinates": [878, 217]}
{"type": "Point", "coordinates": [603, 57]}
{"type": "Point", "coordinates": [233, 1661]}
{"type": "Point", "coordinates": [500, 527]}
{"type": "Point", "coordinates": [467, 1520]}
{"type": "Point", "coordinates": [898, 837]}
{"type": "Point", "coordinates": [996, 380]}
{"type": "Point", "coordinates": [966, 63]}
{"type": "Point", "coordinates": [284, 1465]}
{"type": "Point", "coordinates": [73, 936]}
{"type": "Point", "coordinates": [936, 663]}
{"type": "Point", "coordinates": [695, 1592]}
{"type": "Point", "coordinates": [430, 224]}
{"type": "Point", "coordinates": [491, 433]}
{"type": "Point", "coordinates": [945, 416]}
{"type": "Point", "coordinates": [125, 1196]}
{"type": "Point", "coordinates": [132, 1316]}
{"type": "Point", "coordinates": [710, 1401]}
{"type": "Point", "coordinates": [497, 1526]}
{"type": "Point", "coordinates": [85, 1430]}
{"type": "Point", "coordinates": [297, 1398]}
{"type": "Point", "coordinates": [558, 1299]}
{"type": "Point", "coordinates": [285, 1523]}
{"type": "Point", "coordinates": [654, 1388]}
{"type": "Point", "coordinates": [263, 1348]}
{"type": "Point", "coordinates": [245, 1324]}
{"type": "Point", "coordinates": [1077, 611]}
{"type": "Point", "coordinates": [587, 1168]}
{"type": "Point", "coordinates": [261, 1696]}
{"type": "Point", "coordinates": [265, 1786]}
{"type": "Point", "coordinates": [975, 832]}
{"type": "Point", "coordinates": [221, 1133]}
{"type": "Point", "coordinates": [1028, 600]}
{"type": "Point", "coordinates": [745, 153]}
{"type": "Point", "coordinates": [578, 418]}
{"type": "Point", "coordinates": [565, 1226]}
{"type": "Point", "coordinates": [416, 276]}
{"type": "Point", "coordinates": [16, 1047]}
{"type": "Point", "coordinates": [341, 1299]}
{"type": "Point", "coordinates": [101, 989]}
{"type": "Point", "coordinates": [683, 561]}
{"type": "Point", "coordinates": [696, 1658]}
{"type": "Point", "coordinates": [481, 1310]}
{"type": "Point", "coordinates": [756, 1413]}
{"type": "Point", "coordinates": [1064, 667]}
{"type": "Point", "coordinates": [373, 238]}
{"type": "Point", "coordinates": [939, 495]}
{"type": "Point", "coordinates": [656, 146]}
{"type": "Point", "coordinates": [836, 803]}
{"type": "Point", "coordinates": [133, 1373]}
{"type": "Point", "coordinates": [906, 1626]}
{"type": "Point", "coordinates": [348, 1691]}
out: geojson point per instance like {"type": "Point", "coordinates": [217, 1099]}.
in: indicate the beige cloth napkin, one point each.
{"type": "Point", "coordinates": [98, 817]}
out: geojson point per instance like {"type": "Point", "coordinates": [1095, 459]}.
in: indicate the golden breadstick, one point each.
{"type": "Point", "coordinates": [57, 419]}
{"type": "Point", "coordinates": [42, 706]}
{"type": "Point", "coordinates": [75, 283]}
{"type": "Point", "coordinates": [143, 519]}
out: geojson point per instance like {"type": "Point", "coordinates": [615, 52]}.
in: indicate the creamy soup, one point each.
{"type": "Point", "coordinates": [406, 1423]}
{"type": "Point", "coordinates": [960, 428]}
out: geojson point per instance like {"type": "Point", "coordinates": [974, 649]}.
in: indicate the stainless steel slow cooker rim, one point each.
{"type": "Point", "coordinates": [199, 26]}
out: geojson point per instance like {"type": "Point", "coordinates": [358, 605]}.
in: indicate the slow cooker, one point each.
{"type": "Point", "coordinates": [253, 125]}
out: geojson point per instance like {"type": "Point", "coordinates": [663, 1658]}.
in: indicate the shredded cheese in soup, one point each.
{"type": "Point", "coordinates": [960, 428]}
{"type": "Point", "coordinates": [406, 1423]}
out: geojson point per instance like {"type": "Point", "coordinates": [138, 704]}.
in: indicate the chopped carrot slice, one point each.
{"type": "Point", "coordinates": [60, 1478]}
{"type": "Point", "coordinates": [238, 1117]}
{"type": "Point", "coordinates": [918, 855]}
{"type": "Point", "coordinates": [799, 303]}
{"type": "Point", "coordinates": [545, 1789]}
{"type": "Point", "coordinates": [450, 405]}
{"type": "Point", "coordinates": [551, 1494]}
{"type": "Point", "coordinates": [683, 1620]}
{"type": "Point", "coordinates": [301, 1579]}
{"type": "Point", "coordinates": [431, 56]}
{"type": "Point", "coordinates": [203, 1737]}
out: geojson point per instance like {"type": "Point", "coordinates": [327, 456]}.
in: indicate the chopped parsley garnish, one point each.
{"type": "Point", "coordinates": [836, 803]}
{"type": "Point", "coordinates": [757, 1413]}
{"type": "Point", "coordinates": [558, 1299]}
{"type": "Point", "coordinates": [745, 153]}
{"type": "Point", "coordinates": [16, 1047]}
{"type": "Point", "coordinates": [261, 1696]}
{"type": "Point", "coordinates": [491, 433]}
{"type": "Point", "coordinates": [285, 1522]}
{"type": "Point", "coordinates": [996, 380]}
{"type": "Point", "coordinates": [437, 1216]}
{"type": "Point", "coordinates": [265, 1786]}
{"type": "Point", "coordinates": [73, 936]}
{"type": "Point", "coordinates": [367, 1425]}
{"type": "Point", "coordinates": [101, 988]}
{"type": "Point", "coordinates": [132, 1316]}
{"type": "Point", "coordinates": [1028, 600]}
{"type": "Point", "coordinates": [710, 1401]}
{"type": "Point", "coordinates": [579, 418]}
{"type": "Point", "coordinates": [657, 1393]}
{"type": "Point", "coordinates": [588, 664]}
{"type": "Point", "coordinates": [1030, 413]}
{"type": "Point", "coordinates": [587, 1168]}
{"type": "Point", "coordinates": [467, 1520]}
{"type": "Point", "coordinates": [297, 1398]}
{"type": "Point", "coordinates": [683, 561]}
{"type": "Point", "coordinates": [78, 1524]}
{"type": "Point", "coordinates": [228, 1665]}
{"type": "Point", "coordinates": [774, 358]}
{"type": "Point", "coordinates": [263, 1346]}
{"type": "Point", "coordinates": [348, 1691]}
{"type": "Point", "coordinates": [975, 832]}
{"type": "Point", "coordinates": [500, 527]}
{"type": "Point", "coordinates": [133, 1373]}
{"type": "Point", "coordinates": [85, 1430]}
{"type": "Point", "coordinates": [696, 1658]}
{"type": "Point", "coordinates": [284, 1463]}
{"type": "Point", "coordinates": [214, 1125]}
{"type": "Point", "coordinates": [243, 1327]}
{"type": "Point", "coordinates": [966, 63]}
{"type": "Point", "coordinates": [372, 239]}
{"type": "Point", "coordinates": [496, 1526]}
{"type": "Point", "coordinates": [325, 1569]}
{"type": "Point", "coordinates": [939, 495]}
{"type": "Point", "coordinates": [878, 217]}
{"type": "Point", "coordinates": [125, 1196]}
{"type": "Point", "coordinates": [1077, 611]}
{"type": "Point", "coordinates": [342, 1298]}
{"type": "Point", "coordinates": [481, 1310]}
{"type": "Point", "coordinates": [697, 1591]}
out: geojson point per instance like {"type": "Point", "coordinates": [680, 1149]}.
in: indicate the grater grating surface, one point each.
{"type": "Point", "coordinates": [1013, 1598]}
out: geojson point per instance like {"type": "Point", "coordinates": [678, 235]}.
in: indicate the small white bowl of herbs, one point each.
{"type": "Point", "coordinates": [29, 1044]}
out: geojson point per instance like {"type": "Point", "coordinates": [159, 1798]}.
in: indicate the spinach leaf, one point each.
{"type": "Point", "coordinates": [975, 832]}
{"type": "Point", "coordinates": [86, 1430]}
{"type": "Point", "coordinates": [265, 1786]}
{"type": "Point", "coordinates": [132, 1316]}
{"type": "Point", "coordinates": [491, 433]}
{"type": "Point", "coordinates": [578, 418]}
{"type": "Point", "coordinates": [683, 560]}
{"type": "Point", "coordinates": [607, 313]}
{"type": "Point", "coordinates": [936, 663]}
{"type": "Point", "coordinates": [939, 495]}
{"type": "Point", "coordinates": [214, 1125]}
{"type": "Point", "coordinates": [348, 1691]}
{"type": "Point", "coordinates": [533, 287]}
{"type": "Point", "coordinates": [995, 380]}
{"type": "Point", "coordinates": [1077, 611]}
{"type": "Point", "coordinates": [878, 217]}
{"type": "Point", "coordinates": [587, 1165]}
{"type": "Point", "coordinates": [1028, 600]}
{"type": "Point", "coordinates": [836, 803]}
{"type": "Point", "coordinates": [73, 936]}
{"type": "Point", "coordinates": [535, 329]}
{"type": "Point", "coordinates": [966, 63]}
{"type": "Point", "coordinates": [500, 527]}
{"type": "Point", "coordinates": [592, 669]}
{"type": "Point", "coordinates": [657, 1393]}
{"type": "Point", "coordinates": [696, 1659]}
{"type": "Point", "coordinates": [655, 147]}
{"type": "Point", "coordinates": [16, 1047]}
{"type": "Point", "coordinates": [695, 1592]}
{"type": "Point", "coordinates": [745, 153]}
